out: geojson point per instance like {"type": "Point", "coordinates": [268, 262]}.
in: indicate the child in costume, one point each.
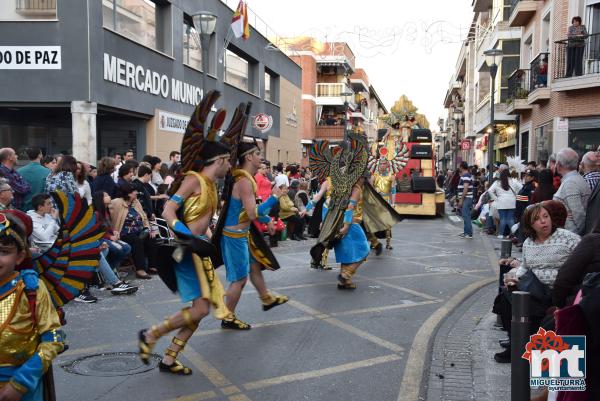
{"type": "Point", "coordinates": [30, 335]}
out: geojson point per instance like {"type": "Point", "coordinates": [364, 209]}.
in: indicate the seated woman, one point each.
{"type": "Point", "coordinates": [291, 216]}
{"type": "Point", "coordinates": [129, 220]}
{"type": "Point", "coordinates": [544, 252]}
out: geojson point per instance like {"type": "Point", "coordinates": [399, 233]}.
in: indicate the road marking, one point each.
{"type": "Point", "coordinates": [259, 325]}
{"type": "Point", "coordinates": [314, 374]}
{"type": "Point", "coordinates": [407, 290]}
{"type": "Point", "coordinates": [410, 386]}
{"type": "Point", "coordinates": [383, 308]}
{"type": "Point", "coordinates": [205, 395]}
{"type": "Point", "coordinates": [344, 326]}
{"type": "Point", "coordinates": [364, 335]}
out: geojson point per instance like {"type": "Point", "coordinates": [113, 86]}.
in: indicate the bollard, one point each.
{"type": "Point", "coordinates": [505, 248]}
{"type": "Point", "coordinates": [519, 330]}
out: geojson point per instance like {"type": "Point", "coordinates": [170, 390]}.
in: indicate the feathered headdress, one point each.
{"type": "Point", "coordinates": [515, 164]}
{"type": "Point", "coordinates": [200, 145]}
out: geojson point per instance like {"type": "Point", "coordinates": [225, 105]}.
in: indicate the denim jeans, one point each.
{"type": "Point", "coordinates": [466, 215]}
{"type": "Point", "coordinates": [117, 251]}
{"type": "Point", "coordinates": [507, 219]}
{"type": "Point", "coordinates": [105, 270]}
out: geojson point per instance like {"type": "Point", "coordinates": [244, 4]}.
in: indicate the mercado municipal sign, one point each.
{"type": "Point", "coordinates": [125, 73]}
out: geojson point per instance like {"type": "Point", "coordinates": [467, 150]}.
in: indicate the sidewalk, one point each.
{"type": "Point", "coordinates": [462, 359]}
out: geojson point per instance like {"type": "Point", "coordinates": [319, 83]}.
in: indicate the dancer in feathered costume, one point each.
{"type": "Point", "coordinates": [383, 179]}
{"type": "Point", "coordinates": [188, 269]}
{"type": "Point", "coordinates": [31, 290]}
{"type": "Point", "coordinates": [352, 201]}
{"type": "Point", "coordinates": [241, 245]}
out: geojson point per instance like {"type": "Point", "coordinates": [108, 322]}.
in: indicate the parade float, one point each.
{"type": "Point", "coordinates": [407, 146]}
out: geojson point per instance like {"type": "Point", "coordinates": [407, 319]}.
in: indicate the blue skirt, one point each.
{"type": "Point", "coordinates": [188, 283]}
{"type": "Point", "coordinates": [236, 256]}
{"type": "Point", "coordinates": [353, 247]}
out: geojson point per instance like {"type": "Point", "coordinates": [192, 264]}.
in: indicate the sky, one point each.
{"type": "Point", "coordinates": [405, 46]}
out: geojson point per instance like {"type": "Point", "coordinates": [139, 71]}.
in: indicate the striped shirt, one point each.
{"type": "Point", "coordinates": [592, 178]}
{"type": "Point", "coordinates": [468, 179]}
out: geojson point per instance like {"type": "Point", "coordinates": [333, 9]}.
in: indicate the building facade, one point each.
{"type": "Point", "coordinates": [557, 107]}
{"type": "Point", "coordinates": [98, 77]}
{"type": "Point", "coordinates": [469, 96]}
{"type": "Point", "coordinates": [336, 96]}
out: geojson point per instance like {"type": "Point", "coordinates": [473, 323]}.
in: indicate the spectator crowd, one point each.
{"type": "Point", "coordinates": [128, 197]}
{"type": "Point", "coordinates": [551, 212]}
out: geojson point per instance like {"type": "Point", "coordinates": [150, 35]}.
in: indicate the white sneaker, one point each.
{"type": "Point", "coordinates": [500, 237]}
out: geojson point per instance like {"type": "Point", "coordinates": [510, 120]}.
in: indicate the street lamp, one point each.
{"type": "Point", "coordinates": [205, 23]}
{"type": "Point", "coordinates": [493, 58]}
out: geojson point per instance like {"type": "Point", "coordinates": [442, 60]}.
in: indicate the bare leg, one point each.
{"type": "Point", "coordinates": [258, 281]}
{"type": "Point", "coordinates": [198, 311]}
{"type": "Point", "coordinates": [234, 293]}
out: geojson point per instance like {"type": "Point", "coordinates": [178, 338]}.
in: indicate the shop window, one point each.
{"type": "Point", "coordinates": [584, 140]}
{"type": "Point", "coordinates": [12, 10]}
{"type": "Point", "coordinates": [236, 70]}
{"type": "Point", "coordinates": [192, 54]}
{"type": "Point", "coordinates": [135, 19]}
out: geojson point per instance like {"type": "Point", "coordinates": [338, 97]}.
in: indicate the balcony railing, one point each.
{"type": "Point", "coordinates": [332, 133]}
{"type": "Point", "coordinates": [36, 6]}
{"type": "Point", "coordinates": [539, 72]}
{"type": "Point", "coordinates": [333, 90]}
{"type": "Point", "coordinates": [518, 85]}
{"type": "Point", "coordinates": [577, 57]}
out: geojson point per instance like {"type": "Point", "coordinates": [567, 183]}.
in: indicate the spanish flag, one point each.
{"type": "Point", "coordinates": [239, 22]}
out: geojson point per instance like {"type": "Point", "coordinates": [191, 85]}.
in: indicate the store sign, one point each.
{"type": "Point", "coordinates": [125, 73]}
{"type": "Point", "coordinates": [262, 122]}
{"type": "Point", "coordinates": [30, 58]}
{"type": "Point", "coordinates": [172, 122]}
{"type": "Point", "coordinates": [292, 118]}
{"type": "Point", "coordinates": [465, 145]}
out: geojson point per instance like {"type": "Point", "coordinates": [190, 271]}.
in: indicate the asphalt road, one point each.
{"type": "Point", "coordinates": [325, 344]}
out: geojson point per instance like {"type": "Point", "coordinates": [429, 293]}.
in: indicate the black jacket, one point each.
{"type": "Point", "coordinates": [523, 199]}
{"type": "Point", "coordinates": [106, 184]}
{"type": "Point", "coordinates": [144, 197]}
{"type": "Point", "coordinates": [593, 210]}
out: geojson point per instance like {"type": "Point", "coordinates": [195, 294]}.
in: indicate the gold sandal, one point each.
{"type": "Point", "coordinates": [176, 368]}
{"type": "Point", "coordinates": [234, 323]}
{"type": "Point", "coordinates": [278, 300]}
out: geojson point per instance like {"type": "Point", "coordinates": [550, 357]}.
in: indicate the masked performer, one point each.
{"type": "Point", "coordinates": [384, 183]}
{"type": "Point", "coordinates": [353, 200]}
{"type": "Point", "coordinates": [242, 247]}
{"type": "Point", "coordinates": [194, 200]}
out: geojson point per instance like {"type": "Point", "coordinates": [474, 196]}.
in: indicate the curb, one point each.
{"type": "Point", "coordinates": [412, 387]}
{"type": "Point", "coordinates": [414, 371]}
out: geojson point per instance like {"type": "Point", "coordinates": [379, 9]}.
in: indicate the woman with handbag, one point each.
{"type": "Point", "coordinates": [129, 220]}
{"type": "Point", "coordinates": [544, 252]}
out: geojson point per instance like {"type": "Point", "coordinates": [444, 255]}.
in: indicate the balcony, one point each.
{"type": "Point", "coordinates": [538, 83]}
{"type": "Point", "coordinates": [330, 132]}
{"type": "Point", "coordinates": [361, 112]}
{"type": "Point", "coordinates": [521, 12]}
{"type": "Point", "coordinates": [36, 7]}
{"type": "Point", "coordinates": [332, 94]}
{"type": "Point", "coordinates": [577, 67]}
{"type": "Point", "coordinates": [518, 91]}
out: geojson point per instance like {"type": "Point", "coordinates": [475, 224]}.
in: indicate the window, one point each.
{"type": "Point", "coordinates": [543, 140]}
{"type": "Point", "coordinates": [525, 145]}
{"type": "Point", "coordinates": [510, 63]}
{"type": "Point", "coordinates": [27, 9]}
{"type": "Point", "coordinates": [135, 19]}
{"type": "Point", "coordinates": [268, 87]}
{"type": "Point", "coordinates": [236, 70]}
{"type": "Point", "coordinates": [192, 55]}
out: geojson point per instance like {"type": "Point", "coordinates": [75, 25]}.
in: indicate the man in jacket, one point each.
{"type": "Point", "coordinates": [35, 174]}
{"type": "Point", "coordinates": [574, 191]}
{"type": "Point", "coordinates": [8, 160]}
{"type": "Point", "coordinates": [45, 224]}
{"type": "Point", "coordinates": [593, 207]}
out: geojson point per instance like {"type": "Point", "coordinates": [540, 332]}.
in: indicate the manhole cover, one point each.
{"type": "Point", "coordinates": [111, 364]}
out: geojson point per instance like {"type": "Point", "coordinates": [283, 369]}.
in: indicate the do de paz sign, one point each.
{"type": "Point", "coordinates": [30, 58]}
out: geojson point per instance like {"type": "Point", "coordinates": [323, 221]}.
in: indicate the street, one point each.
{"type": "Point", "coordinates": [325, 344]}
